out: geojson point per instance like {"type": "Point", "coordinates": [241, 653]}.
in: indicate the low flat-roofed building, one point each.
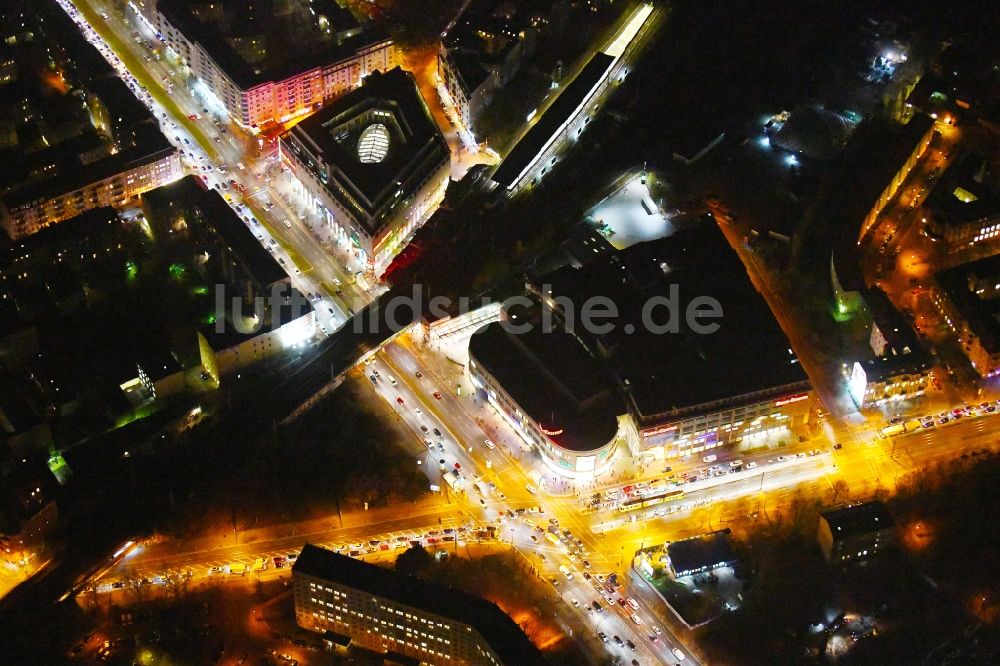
{"type": "Point", "coordinates": [549, 387]}
{"type": "Point", "coordinates": [376, 164]}
{"type": "Point", "coordinates": [687, 390]}
{"type": "Point", "coordinates": [855, 533]}
{"type": "Point", "coordinates": [701, 553]}
{"type": "Point", "coordinates": [268, 62]}
{"type": "Point", "coordinates": [968, 299]}
{"type": "Point", "coordinates": [388, 612]}
{"type": "Point", "coordinates": [901, 366]}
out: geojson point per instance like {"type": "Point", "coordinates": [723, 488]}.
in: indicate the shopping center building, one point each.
{"type": "Point", "coordinates": [660, 391]}
{"type": "Point", "coordinates": [549, 388]}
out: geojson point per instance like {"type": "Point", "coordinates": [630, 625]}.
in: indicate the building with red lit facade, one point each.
{"type": "Point", "coordinates": [268, 66]}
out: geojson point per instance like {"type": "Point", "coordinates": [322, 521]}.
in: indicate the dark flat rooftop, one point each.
{"type": "Point", "coordinates": [966, 174]}
{"type": "Point", "coordinates": [705, 550]}
{"type": "Point", "coordinates": [667, 372]}
{"type": "Point", "coordinates": [559, 112]}
{"type": "Point", "coordinates": [857, 519]}
{"type": "Point", "coordinates": [904, 351]}
{"type": "Point", "coordinates": [980, 310]}
{"type": "Point", "coordinates": [552, 377]}
{"type": "Point", "coordinates": [502, 634]}
{"type": "Point", "coordinates": [873, 155]}
{"type": "Point", "coordinates": [415, 141]}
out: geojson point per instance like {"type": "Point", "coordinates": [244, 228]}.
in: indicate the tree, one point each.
{"type": "Point", "coordinates": [135, 587]}
{"type": "Point", "coordinates": [839, 488]}
{"type": "Point", "coordinates": [175, 583]}
{"type": "Point", "coordinates": [414, 561]}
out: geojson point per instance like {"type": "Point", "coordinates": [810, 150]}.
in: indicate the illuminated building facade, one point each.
{"type": "Point", "coordinates": [967, 298]}
{"type": "Point", "coordinates": [251, 74]}
{"type": "Point", "coordinates": [727, 422]}
{"type": "Point", "coordinates": [374, 163]}
{"type": "Point", "coordinates": [30, 209]}
{"type": "Point", "coordinates": [398, 615]}
{"type": "Point", "coordinates": [901, 366]}
{"type": "Point", "coordinates": [549, 388]}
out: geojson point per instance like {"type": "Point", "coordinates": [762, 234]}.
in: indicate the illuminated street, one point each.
{"type": "Point", "coordinates": [698, 355]}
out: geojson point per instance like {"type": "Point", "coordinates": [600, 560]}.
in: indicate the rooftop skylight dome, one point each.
{"type": "Point", "coordinates": [373, 145]}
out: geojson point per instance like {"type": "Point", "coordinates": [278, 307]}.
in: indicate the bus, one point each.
{"type": "Point", "coordinates": [643, 502]}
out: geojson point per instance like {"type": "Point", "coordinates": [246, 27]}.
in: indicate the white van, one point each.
{"type": "Point", "coordinates": [565, 572]}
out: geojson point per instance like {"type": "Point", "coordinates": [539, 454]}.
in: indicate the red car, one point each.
{"type": "Point", "coordinates": [437, 394]}
{"type": "Point", "coordinates": [399, 399]}
{"type": "Point", "coordinates": [458, 466]}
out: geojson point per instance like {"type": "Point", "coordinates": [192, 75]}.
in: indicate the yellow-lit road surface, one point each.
{"type": "Point", "coordinates": [135, 67]}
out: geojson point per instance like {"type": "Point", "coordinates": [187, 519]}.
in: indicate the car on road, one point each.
{"type": "Point", "coordinates": [618, 640]}
{"type": "Point", "coordinates": [751, 465]}
{"type": "Point", "coordinates": [657, 630]}
{"type": "Point", "coordinates": [437, 432]}
{"type": "Point", "coordinates": [391, 379]}
{"type": "Point", "coordinates": [597, 605]}
{"type": "Point", "coordinates": [418, 374]}
{"type": "Point", "coordinates": [399, 399]}
{"type": "Point", "coordinates": [490, 445]}
{"type": "Point", "coordinates": [603, 636]}
{"type": "Point", "coordinates": [574, 603]}
{"type": "Point", "coordinates": [633, 603]}
{"type": "Point", "coordinates": [838, 446]}
{"type": "Point", "coordinates": [424, 429]}
{"type": "Point", "coordinates": [437, 395]}
{"type": "Point", "coordinates": [630, 644]}
{"type": "Point", "coordinates": [636, 618]}
{"type": "Point", "coordinates": [677, 653]}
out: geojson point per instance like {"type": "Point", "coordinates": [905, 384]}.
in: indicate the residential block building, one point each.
{"type": "Point", "coordinates": [352, 602]}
